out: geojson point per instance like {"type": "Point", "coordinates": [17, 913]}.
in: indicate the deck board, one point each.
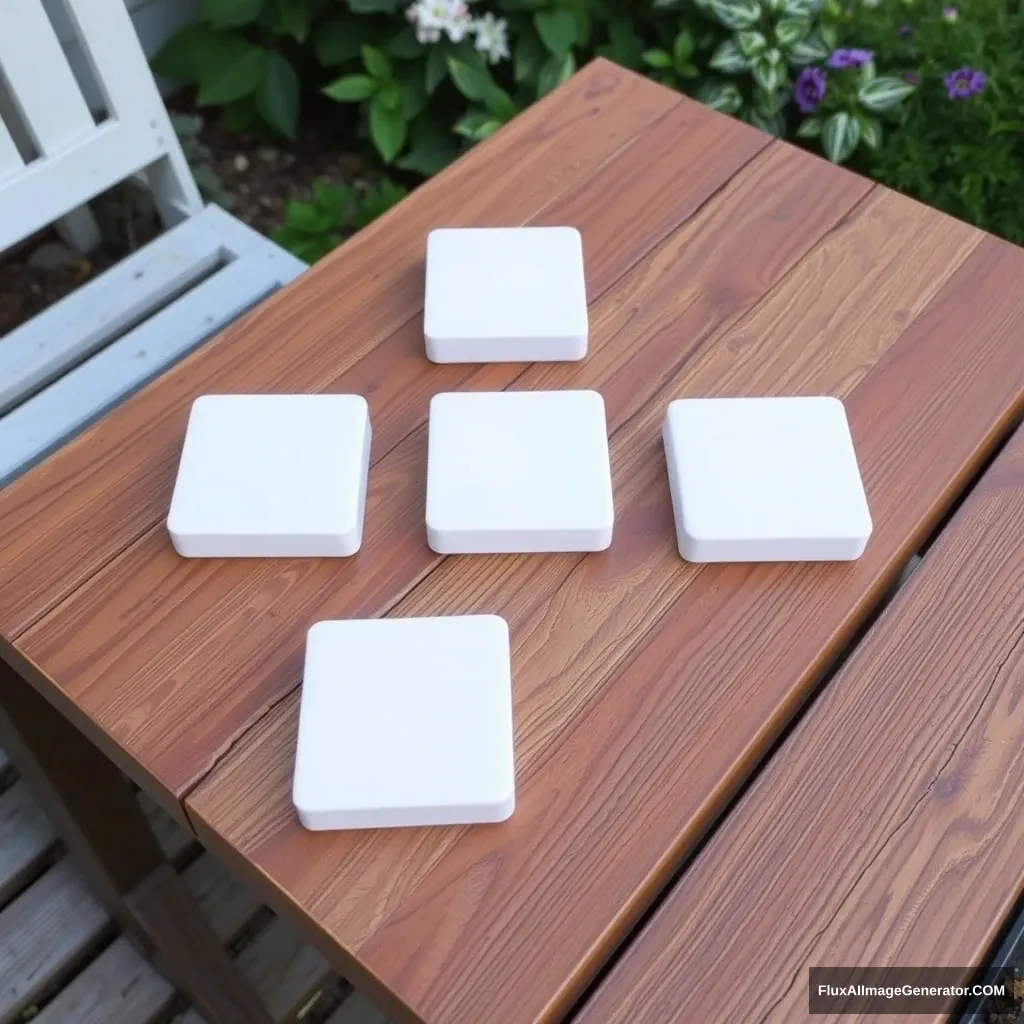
{"type": "Point", "coordinates": [62, 963]}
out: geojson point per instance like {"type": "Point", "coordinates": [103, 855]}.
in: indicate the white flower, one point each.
{"type": "Point", "coordinates": [492, 37]}
{"type": "Point", "coordinates": [433, 18]}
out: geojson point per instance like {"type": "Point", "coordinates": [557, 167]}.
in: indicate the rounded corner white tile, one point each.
{"type": "Point", "coordinates": [505, 295]}
{"type": "Point", "coordinates": [405, 723]}
{"type": "Point", "coordinates": [764, 480]}
{"type": "Point", "coordinates": [272, 476]}
{"type": "Point", "coordinates": [514, 472]}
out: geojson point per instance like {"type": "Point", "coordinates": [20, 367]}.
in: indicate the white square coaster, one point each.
{"type": "Point", "coordinates": [765, 480]}
{"type": "Point", "coordinates": [505, 295]}
{"type": "Point", "coordinates": [518, 471]}
{"type": "Point", "coordinates": [405, 722]}
{"type": "Point", "coordinates": [272, 476]}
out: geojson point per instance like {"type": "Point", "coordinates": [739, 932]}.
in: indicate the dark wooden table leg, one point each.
{"type": "Point", "coordinates": [94, 809]}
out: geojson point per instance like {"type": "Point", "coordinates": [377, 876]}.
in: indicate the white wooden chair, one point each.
{"type": "Point", "coordinates": [71, 363]}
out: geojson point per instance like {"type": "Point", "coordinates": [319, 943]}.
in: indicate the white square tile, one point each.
{"type": "Point", "coordinates": [765, 480]}
{"type": "Point", "coordinates": [501, 295]}
{"type": "Point", "coordinates": [272, 476]}
{"type": "Point", "coordinates": [405, 722]}
{"type": "Point", "coordinates": [518, 471]}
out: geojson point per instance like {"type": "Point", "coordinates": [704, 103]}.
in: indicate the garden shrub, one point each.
{"type": "Point", "coordinates": [897, 87]}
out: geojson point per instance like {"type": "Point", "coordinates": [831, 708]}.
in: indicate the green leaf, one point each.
{"type": "Point", "coordinates": [414, 98]}
{"type": "Point", "coordinates": [867, 72]}
{"type": "Point", "coordinates": [389, 94]}
{"type": "Point", "coordinates": [437, 69]}
{"type": "Point", "coordinates": [428, 156]}
{"type": "Point", "coordinates": [773, 124]}
{"type": "Point", "coordinates": [882, 94]}
{"type": "Point", "coordinates": [790, 31]}
{"type": "Point", "coordinates": [375, 62]}
{"type": "Point", "coordinates": [230, 13]}
{"type": "Point", "coordinates": [499, 104]}
{"type": "Point", "coordinates": [387, 129]}
{"type": "Point", "coordinates": [351, 88]}
{"type": "Point", "coordinates": [839, 137]}
{"type": "Point", "coordinates": [470, 81]}
{"type": "Point", "coordinates": [405, 46]}
{"type": "Point", "coordinates": [477, 126]}
{"type": "Point", "coordinates": [277, 97]}
{"type": "Point", "coordinates": [768, 74]}
{"type": "Point", "coordinates": [829, 36]}
{"type": "Point", "coordinates": [683, 48]}
{"type": "Point", "coordinates": [657, 58]}
{"type": "Point", "coordinates": [336, 42]}
{"type": "Point", "coordinates": [293, 18]}
{"type": "Point", "coordinates": [529, 55]}
{"type": "Point", "coordinates": [870, 131]}
{"type": "Point", "coordinates": [721, 96]}
{"type": "Point", "coordinates": [751, 43]}
{"type": "Point", "coordinates": [374, 6]}
{"type": "Point", "coordinates": [808, 51]}
{"type": "Point", "coordinates": [238, 72]}
{"type": "Point", "coordinates": [557, 30]}
{"type": "Point", "coordinates": [810, 128]}
{"type": "Point", "coordinates": [736, 14]}
{"type": "Point", "coordinates": [554, 73]}
{"type": "Point", "coordinates": [797, 8]}
{"type": "Point", "coordinates": [728, 58]}
{"type": "Point", "coordinates": [186, 52]}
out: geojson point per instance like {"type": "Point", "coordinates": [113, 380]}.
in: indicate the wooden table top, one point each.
{"type": "Point", "coordinates": [719, 262]}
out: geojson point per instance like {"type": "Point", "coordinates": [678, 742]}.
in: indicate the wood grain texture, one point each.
{"type": "Point", "coordinates": [163, 655]}
{"type": "Point", "coordinates": [901, 786]}
{"type": "Point", "coordinates": [646, 690]}
{"type": "Point", "coordinates": [66, 519]}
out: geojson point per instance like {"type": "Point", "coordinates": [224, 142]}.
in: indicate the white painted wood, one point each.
{"type": "Point", "coordinates": [47, 420]}
{"type": "Point", "coordinates": [357, 1009]}
{"type": "Point", "coordinates": [25, 837]}
{"type": "Point", "coordinates": [111, 47]}
{"type": "Point", "coordinates": [43, 933]}
{"type": "Point", "coordinates": [120, 985]}
{"type": "Point", "coordinates": [11, 163]}
{"type": "Point", "coordinates": [40, 80]}
{"type": "Point", "coordinates": [52, 186]}
{"type": "Point", "coordinates": [39, 351]}
{"type": "Point", "coordinates": [47, 96]}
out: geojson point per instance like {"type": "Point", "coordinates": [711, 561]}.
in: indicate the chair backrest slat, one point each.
{"type": "Point", "coordinates": [118, 63]}
{"type": "Point", "coordinates": [37, 73]}
{"type": "Point", "coordinates": [10, 159]}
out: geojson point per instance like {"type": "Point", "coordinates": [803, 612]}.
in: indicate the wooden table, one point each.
{"type": "Point", "coordinates": [647, 690]}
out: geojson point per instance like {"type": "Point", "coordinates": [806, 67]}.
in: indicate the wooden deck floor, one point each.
{"type": "Point", "coordinates": [62, 960]}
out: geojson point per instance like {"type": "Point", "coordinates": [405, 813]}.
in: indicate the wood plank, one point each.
{"type": "Point", "coordinates": [121, 985]}
{"type": "Point", "coordinates": [26, 836]}
{"type": "Point", "coordinates": [40, 79]}
{"type": "Point", "coordinates": [188, 724]}
{"type": "Point", "coordinates": [41, 349]}
{"type": "Point", "coordinates": [116, 481]}
{"type": "Point", "coordinates": [45, 422]}
{"type": "Point", "coordinates": [284, 970]}
{"type": "Point", "coordinates": [10, 159]}
{"type": "Point", "coordinates": [621, 768]}
{"type": "Point", "coordinates": [44, 933]}
{"type": "Point", "coordinates": [904, 796]}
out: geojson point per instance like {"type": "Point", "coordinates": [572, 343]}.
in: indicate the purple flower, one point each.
{"type": "Point", "coordinates": [964, 82]}
{"type": "Point", "coordinates": [809, 89]}
{"type": "Point", "coordinates": [903, 31]}
{"type": "Point", "coordinates": [849, 58]}
{"type": "Point", "coordinates": [912, 78]}
{"type": "Point", "coordinates": [950, 14]}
